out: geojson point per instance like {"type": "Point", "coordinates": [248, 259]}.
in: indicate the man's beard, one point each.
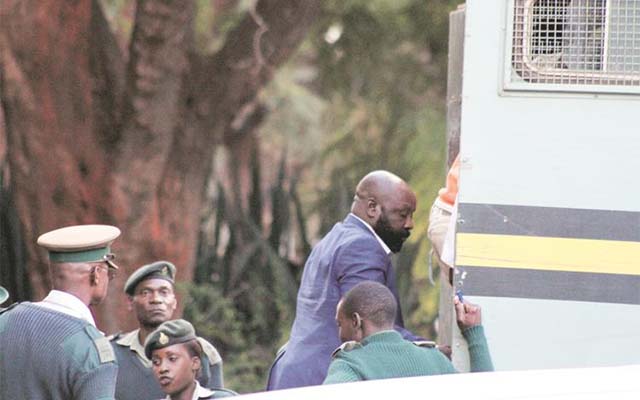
{"type": "Point", "coordinates": [393, 239]}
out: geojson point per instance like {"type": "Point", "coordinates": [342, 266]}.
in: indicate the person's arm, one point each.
{"type": "Point", "coordinates": [339, 372]}
{"type": "Point", "coordinates": [469, 320]}
{"type": "Point", "coordinates": [91, 362]}
{"type": "Point", "coordinates": [360, 260]}
{"type": "Point", "coordinates": [97, 384]}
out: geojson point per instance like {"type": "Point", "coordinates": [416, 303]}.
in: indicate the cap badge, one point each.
{"type": "Point", "coordinates": [163, 339]}
{"type": "Point", "coordinates": [165, 270]}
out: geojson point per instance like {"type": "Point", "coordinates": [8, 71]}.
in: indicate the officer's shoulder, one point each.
{"type": "Point", "coordinates": [5, 310]}
{"type": "Point", "coordinates": [209, 350]}
{"type": "Point", "coordinates": [346, 347]}
{"type": "Point", "coordinates": [427, 344]}
{"type": "Point", "coordinates": [101, 344]}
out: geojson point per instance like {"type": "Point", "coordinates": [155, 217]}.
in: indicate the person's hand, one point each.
{"type": "Point", "coordinates": [445, 349]}
{"type": "Point", "coordinates": [467, 314]}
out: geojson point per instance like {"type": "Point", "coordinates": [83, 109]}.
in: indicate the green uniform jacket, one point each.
{"type": "Point", "coordinates": [45, 354]}
{"type": "Point", "coordinates": [387, 355]}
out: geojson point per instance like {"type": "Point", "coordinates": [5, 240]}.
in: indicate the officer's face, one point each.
{"type": "Point", "coordinates": [103, 274]}
{"type": "Point", "coordinates": [396, 219]}
{"type": "Point", "coordinates": [174, 368]}
{"type": "Point", "coordinates": [153, 302]}
{"type": "Point", "coordinates": [347, 327]}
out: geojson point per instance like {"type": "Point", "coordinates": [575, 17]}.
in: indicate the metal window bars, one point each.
{"type": "Point", "coordinates": [576, 42]}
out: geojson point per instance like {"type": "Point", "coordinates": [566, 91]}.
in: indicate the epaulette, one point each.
{"type": "Point", "coordinates": [210, 351]}
{"type": "Point", "coordinates": [430, 344]}
{"type": "Point", "coordinates": [4, 310]}
{"type": "Point", "coordinates": [346, 346]}
{"type": "Point", "coordinates": [105, 351]}
{"type": "Point", "coordinates": [102, 344]}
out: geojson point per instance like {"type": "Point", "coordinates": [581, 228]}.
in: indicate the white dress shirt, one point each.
{"type": "Point", "coordinates": [68, 304]}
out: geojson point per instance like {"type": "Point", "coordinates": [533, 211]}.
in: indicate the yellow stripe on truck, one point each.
{"type": "Point", "coordinates": [548, 253]}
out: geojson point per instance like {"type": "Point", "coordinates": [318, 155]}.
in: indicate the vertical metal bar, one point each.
{"type": "Point", "coordinates": [446, 318]}
{"type": "Point", "coordinates": [605, 37]}
{"type": "Point", "coordinates": [454, 81]}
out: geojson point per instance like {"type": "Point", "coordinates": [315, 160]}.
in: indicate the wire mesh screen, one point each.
{"type": "Point", "coordinates": [577, 42]}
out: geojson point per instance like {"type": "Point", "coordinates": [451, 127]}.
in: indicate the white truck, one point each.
{"type": "Point", "coordinates": [546, 97]}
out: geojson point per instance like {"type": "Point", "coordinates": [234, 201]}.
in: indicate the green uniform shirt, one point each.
{"type": "Point", "coordinates": [387, 355]}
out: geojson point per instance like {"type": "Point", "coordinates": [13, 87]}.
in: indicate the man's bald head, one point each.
{"type": "Point", "coordinates": [386, 202]}
{"type": "Point", "coordinates": [381, 185]}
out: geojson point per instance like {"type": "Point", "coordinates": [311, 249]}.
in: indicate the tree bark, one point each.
{"type": "Point", "coordinates": [92, 138]}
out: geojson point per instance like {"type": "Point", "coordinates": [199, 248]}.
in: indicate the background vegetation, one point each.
{"type": "Point", "coordinates": [364, 90]}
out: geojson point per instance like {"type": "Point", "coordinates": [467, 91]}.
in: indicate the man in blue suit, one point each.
{"type": "Point", "coordinates": [356, 250]}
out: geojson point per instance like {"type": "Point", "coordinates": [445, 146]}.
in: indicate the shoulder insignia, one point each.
{"type": "Point", "coordinates": [105, 351]}
{"type": "Point", "coordinates": [4, 310]}
{"type": "Point", "coordinates": [210, 351]}
{"type": "Point", "coordinates": [346, 346]}
{"type": "Point", "coordinates": [425, 343]}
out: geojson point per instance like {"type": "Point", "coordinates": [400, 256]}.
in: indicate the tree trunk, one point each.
{"type": "Point", "coordinates": [92, 139]}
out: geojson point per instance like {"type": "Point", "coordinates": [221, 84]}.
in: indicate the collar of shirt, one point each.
{"type": "Point", "coordinates": [132, 341]}
{"type": "Point", "coordinates": [198, 393]}
{"type": "Point", "coordinates": [68, 304]}
{"type": "Point", "coordinates": [382, 243]}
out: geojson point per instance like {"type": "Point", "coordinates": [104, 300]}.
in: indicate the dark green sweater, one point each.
{"type": "Point", "coordinates": [46, 354]}
{"type": "Point", "coordinates": [387, 355]}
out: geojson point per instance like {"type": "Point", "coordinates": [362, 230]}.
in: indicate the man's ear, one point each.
{"type": "Point", "coordinates": [373, 208]}
{"type": "Point", "coordinates": [175, 303]}
{"type": "Point", "coordinates": [93, 276]}
{"type": "Point", "coordinates": [196, 363]}
{"type": "Point", "coordinates": [130, 303]}
{"type": "Point", "coordinates": [357, 320]}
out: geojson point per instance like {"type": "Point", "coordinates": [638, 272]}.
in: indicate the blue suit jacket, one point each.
{"type": "Point", "coordinates": [347, 255]}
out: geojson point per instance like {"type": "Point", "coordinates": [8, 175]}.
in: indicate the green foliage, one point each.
{"type": "Point", "coordinates": [214, 316]}
{"type": "Point", "coordinates": [365, 91]}
{"type": "Point", "coordinates": [212, 25]}
{"type": "Point", "coordinates": [217, 319]}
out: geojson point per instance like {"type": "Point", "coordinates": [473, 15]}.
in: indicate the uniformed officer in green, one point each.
{"type": "Point", "coordinates": [150, 295]}
{"type": "Point", "coordinates": [372, 349]}
{"type": "Point", "coordinates": [52, 349]}
{"type": "Point", "coordinates": [175, 353]}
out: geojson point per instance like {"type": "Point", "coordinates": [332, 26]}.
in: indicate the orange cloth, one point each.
{"type": "Point", "coordinates": [448, 193]}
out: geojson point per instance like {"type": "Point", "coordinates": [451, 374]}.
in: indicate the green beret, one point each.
{"type": "Point", "coordinates": [157, 270]}
{"type": "Point", "coordinates": [168, 334]}
{"type": "Point", "coordinates": [4, 295]}
{"type": "Point", "coordinates": [80, 243]}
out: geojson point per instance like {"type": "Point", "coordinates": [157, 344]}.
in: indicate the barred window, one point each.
{"type": "Point", "coordinates": [576, 42]}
